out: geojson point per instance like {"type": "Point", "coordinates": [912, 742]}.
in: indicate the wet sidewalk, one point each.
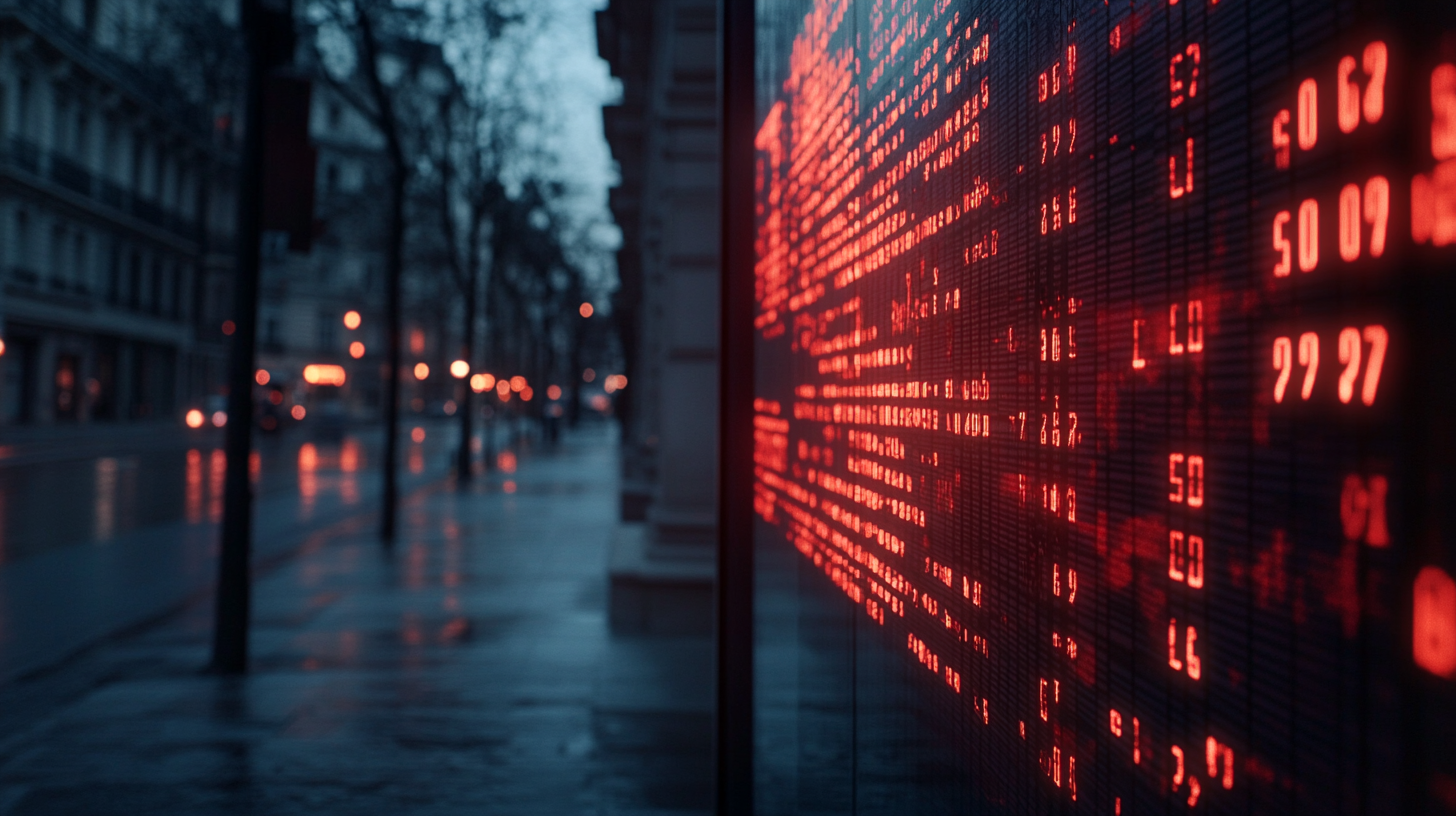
{"type": "Point", "coordinates": [468, 671]}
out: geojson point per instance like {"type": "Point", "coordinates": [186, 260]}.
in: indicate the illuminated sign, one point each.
{"type": "Point", "coordinates": [1101, 367]}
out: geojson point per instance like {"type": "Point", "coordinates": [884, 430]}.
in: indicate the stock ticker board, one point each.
{"type": "Point", "coordinates": [1104, 373]}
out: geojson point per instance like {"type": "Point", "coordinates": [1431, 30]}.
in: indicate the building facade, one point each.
{"type": "Point", "coordinates": [117, 217]}
{"type": "Point", "coordinates": [664, 136]}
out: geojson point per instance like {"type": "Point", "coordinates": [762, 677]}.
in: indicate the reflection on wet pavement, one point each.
{"type": "Point", "coordinates": [60, 498]}
{"type": "Point", "coordinates": [469, 670]}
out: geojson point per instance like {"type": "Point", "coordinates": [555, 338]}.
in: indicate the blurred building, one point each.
{"type": "Point", "coordinates": [664, 137]}
{"type": "Point", "coordinates": [116, 215]}
{"type": "Point", "coordinates": [305, 296]}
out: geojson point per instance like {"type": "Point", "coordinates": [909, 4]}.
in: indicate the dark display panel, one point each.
{"type": "Point", "coordinates": [1103, 441]}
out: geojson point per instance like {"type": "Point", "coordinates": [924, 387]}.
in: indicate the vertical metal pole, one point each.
{"type": "Point", "coordinates": [230, 624]}
{"type": "Point", "coordinates": [735, 504]}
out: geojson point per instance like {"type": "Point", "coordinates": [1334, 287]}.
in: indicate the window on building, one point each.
{"type": "Point", "coordinates": [138, 164]}
{"type": "Point", "coordinates": [24, 121]}
{"type": "Point", "coordinates": [158, 282]}
{"type": "Point", "coordinates": [82, 275]}
{"type": "Point", "coordinates": [60, 121]}
{"type": "Point", "coordinates": [113, 274]}
{"type": "Point", "coordinates": [132, 286]}
{"type": "Point", "coordinates": [81, 135]}
{"type": "Point", "coordinates": [20, 259]}
{"type": "Point", "coordinates": [57, 261]}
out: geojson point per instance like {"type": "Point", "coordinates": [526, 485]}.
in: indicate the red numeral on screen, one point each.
{"type": "Point", "coordinates": [1376, 213]}
{"type": "Point", "coordinates": [1351, 354]}
{"type": "Point", "coordinates": [1185, 558]}
{"type": "Point", "coordinates": [1177, 188]}
{"type": "Point", "coordinates": [1187, 489]}
{"type": "Point", "coordinates": [1443, 112]}
{"type": "Point", "coordinates": [1308, 107]}
{"type": "Point", "coordinates": [1176, 85]}
{"type": "Point", "coordinates": [1189, 662]}
{"type": "Point", "coordinates": [1362, 509]}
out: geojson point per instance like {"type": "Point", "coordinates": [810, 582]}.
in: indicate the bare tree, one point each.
{"type": "Point", "coordinates": [379, 36]}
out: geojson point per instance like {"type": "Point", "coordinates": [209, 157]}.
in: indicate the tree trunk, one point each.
{"type": "Point", "coordinates": [463, 470]}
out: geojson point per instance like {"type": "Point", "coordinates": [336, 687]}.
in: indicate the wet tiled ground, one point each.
{"type": "Point", "coordinates": [469, 670]}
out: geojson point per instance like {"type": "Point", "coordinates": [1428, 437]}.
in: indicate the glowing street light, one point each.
{"type": "Point", "coordinates": [459, 369]}
{"type": "Point", "coordinates": [518, 383]}
{"type": "Point", "coordinates": [356, 349]}
{"type": "Point", "coordinates": [352, 320]}
{"type": "Point", "coordinates": [586, 310]}
{"type": "Point", "coordinates": [195, 418]}
{"type": "Point", "coordinates": [323, 374]}
{"type": "Point", "coordinates": [421, 371]}
{"type": "Point", "coordinates": [262, 376]}
{"type": "Point", "coordinates": [481, 383]}
{"type": "Point", "coordinates": [553, 392]}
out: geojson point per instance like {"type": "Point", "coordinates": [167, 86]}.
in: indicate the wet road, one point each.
{"type": "Point", "coordinates": [467, 670]}
{"type": "Point", "coordinates": [104, 528]}
{"type": "Point", "coordinates": [95, 485]}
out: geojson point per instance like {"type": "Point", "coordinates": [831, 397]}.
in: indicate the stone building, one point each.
{"type": "Point", "coordinates": [116, 221]}
{"type": "Point", "coordinates": [664, 137]}
{"type": "Point", "coordinates": [304, 297]}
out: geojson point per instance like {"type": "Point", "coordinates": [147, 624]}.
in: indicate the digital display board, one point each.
{"type": "Point", "coordinates": [1104, 376]}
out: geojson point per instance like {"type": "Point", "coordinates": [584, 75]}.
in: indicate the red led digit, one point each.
{"type": "Point", "coordinates": [1175, 85]}
{"type": "Point", "coordinates": [1284, 364]}
{"type": "Point", "coordinates": [1137, 358]}
{"type": "Point", "coordinates": [1174, 661]}
{"type": "Point", "coordinates": [1374, 62]}
{"type": "Point", "coordinates": [1377, 212]}
{"type": "Point", "coordinates": [1195, 664]}
{"type": "Point", "coordinates": [1195, 56]}
{"type": "Point", "coordinates": [1281, 140]}
{"type": "Point", "coordinates": [1433, 622]}
{"type": "Point", "coordinates": [1377, 534]}
{"type": "Point", "coordinates": [1378, 338]}
{"type": "Point", "coordinates": [1282, 246]}
{"type": "Point", "coordinates": [1195, 326]}
{"type": "Point", "coordinates": [1350, 217]}
{"type": "Point", "coordinates": [1176, 495]}
{"type": "Point", "coordinates": [1443, 110]}
{"type": "Point", "coordinates": [1214, 752]}
{"type": "Point", "coordinates": [1181, 184]}
{"type": "Point", "coordinates": [1308, 235]}
{"type": "Point", "coordinates": [1309, 358]}
{"type": "Point", "coordinates": [1195, 562]}
{"type": "Point", "coordinates": [1176, 558]}
{"type": "Point", "coordinates": [1308, 108]}
{"type": "Point", "coordinates": [1349, 348]}
{"type": "Point", "coordinates": [1354, 507]}
{"type": "Point", "coordinates": [1195, 481]}
{"type": "Point", "coordinates": [1174, 347]}
{"type": "Point", "coordinates": [1347, 94]}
